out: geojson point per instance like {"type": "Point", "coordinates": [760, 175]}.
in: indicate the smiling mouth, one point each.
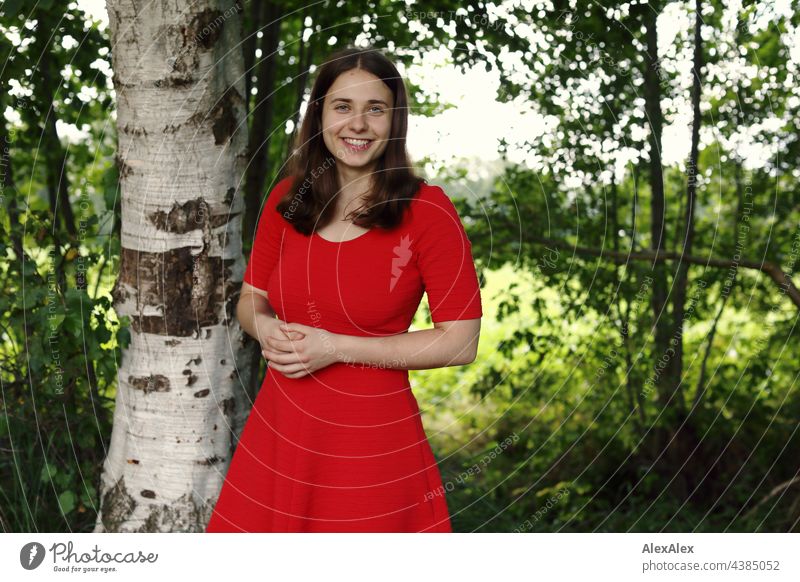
{"type": "Point", "coordinates": [357, 145]}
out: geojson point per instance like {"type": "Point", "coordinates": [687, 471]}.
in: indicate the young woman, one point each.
{"type": "Point", "coordinates": [346, 245]}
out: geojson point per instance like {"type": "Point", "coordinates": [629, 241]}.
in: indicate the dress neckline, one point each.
{"type": "Point", "coordinates": [342, 242]}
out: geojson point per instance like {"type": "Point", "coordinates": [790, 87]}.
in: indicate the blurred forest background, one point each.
{"type": "Point", "coordinates": [636, 238]}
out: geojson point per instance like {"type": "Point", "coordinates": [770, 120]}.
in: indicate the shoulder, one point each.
{"type": "Point", "coordinates": [279, 190]}
{"type": "Point", "coordinates": [429, 193]}
{"type": "Point", "coordinates": [432, 204]}
{"type": "Point", "coordinates": [277, 194]}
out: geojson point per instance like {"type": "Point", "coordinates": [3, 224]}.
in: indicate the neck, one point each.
{"type": "Point", "coordinates": [349, 177]}
{"type": "Point", "coordinates": [353, 183]}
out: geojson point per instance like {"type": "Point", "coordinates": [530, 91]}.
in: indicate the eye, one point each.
{"type": "Point", "coordinates": [373, 109]}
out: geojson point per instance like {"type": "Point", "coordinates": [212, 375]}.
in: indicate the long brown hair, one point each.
{"type": "Point", "coordinates": [309, 202]}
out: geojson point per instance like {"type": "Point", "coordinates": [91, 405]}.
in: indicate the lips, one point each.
{"type": "Point", "coordinates": [357, 148]}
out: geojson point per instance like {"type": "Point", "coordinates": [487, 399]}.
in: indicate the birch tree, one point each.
{"type": "Point", "coordinates": [182, 141]}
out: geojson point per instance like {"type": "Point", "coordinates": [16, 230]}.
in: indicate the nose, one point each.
{"type": "Point", "coordinates": [358, 122]}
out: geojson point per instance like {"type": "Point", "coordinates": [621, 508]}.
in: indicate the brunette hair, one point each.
{"type": "Point", "coordinates": [308, 203]}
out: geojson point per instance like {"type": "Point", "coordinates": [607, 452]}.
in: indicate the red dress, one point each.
{"type": "Point", "coordinates": [343, 449]}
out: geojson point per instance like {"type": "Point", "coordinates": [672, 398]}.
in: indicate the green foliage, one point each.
{"type": "Point", "coordinates": [570, 346]}
{"type": "Point", "coordinates": [59, 355]}
{"type": "Point", "coordinates": [58, 337]}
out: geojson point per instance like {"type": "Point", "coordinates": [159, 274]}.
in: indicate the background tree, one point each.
{"type": "Point", "coordinates": [627, 380]}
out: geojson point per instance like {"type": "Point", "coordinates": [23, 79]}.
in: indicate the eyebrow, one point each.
{"type": "Point", "coordinates": [370, 101]}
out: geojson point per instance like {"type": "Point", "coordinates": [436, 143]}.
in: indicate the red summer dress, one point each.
{"type": "Point", "coordinates": [343, 449]}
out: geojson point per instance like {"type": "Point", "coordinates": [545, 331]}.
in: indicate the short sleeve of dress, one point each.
{"type": "Point", "coordinates": [266, 244]}
{"type": "Point", "coordinates": [444, 258]}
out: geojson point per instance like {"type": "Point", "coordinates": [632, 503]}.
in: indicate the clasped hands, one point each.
{"type": "Point", "coordinates": [295, 350]}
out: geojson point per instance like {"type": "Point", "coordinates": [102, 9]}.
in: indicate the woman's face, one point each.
{"type": "Point", "coordinates": [357, 119]}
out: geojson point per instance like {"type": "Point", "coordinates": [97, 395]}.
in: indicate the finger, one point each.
{"type": "Point", "coordinates": [268, 346]}
{"type": "Point", "coordinates": [289, 335]}
{"type": "Point", "coordinates": [298, 374]}
{"type": "Point", "coordinates": [296, 327]}
{"type": "Point", "coordinates": [289, 369]}
{"type": "Point", "coordinates": [281, 357]}
{"type": "Point", "coordinates": [280, 344]}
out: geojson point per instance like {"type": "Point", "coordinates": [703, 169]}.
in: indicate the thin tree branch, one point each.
{"type": "Point", "coordinates": [777, 489]}
{"type": "Point", "coordinates": [775, 272]}
{"type": "Point", "coordinates": [699, 390]}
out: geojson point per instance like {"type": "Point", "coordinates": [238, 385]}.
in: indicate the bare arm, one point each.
{"type": "Point", "coordinates": [255, 314]}
{"type": "Point", "coordinates": [451, 343]}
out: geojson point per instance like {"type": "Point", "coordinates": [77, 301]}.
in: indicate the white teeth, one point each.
{"type": "Point", "coordinates": [357, 142]}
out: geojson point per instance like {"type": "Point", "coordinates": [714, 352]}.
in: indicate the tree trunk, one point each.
{"type": "Point", "coordinates": [624, 318]}
{"type": "Point", "coordinates": [665, 455]}
{"type": "Point", "coordinates": [7, 188]}
{"type": "Point", "coordinates": [258, 148]}
{"type": "Point", "coordinates": [652, 93]}
{"type": "Point", "coordinates": [178, 74]}
{"type": "Point", "coordinates": [684, 443]}
{"type": "Point", "coordinates": [682, 276]}
{"type": "Point", "coordinates": [305, 52]}
{"type": "Point", "coordinates": [55, 155]}
{"type": "Point", "coordinates": [262, 115]}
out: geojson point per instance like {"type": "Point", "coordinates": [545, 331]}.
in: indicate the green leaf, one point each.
{"type": "Point", "coordinates": [85, 438]}
{"type": "Point", "coordinates": [63, 479]}
{"type": "Point", "coordinates": [102, 333]}
{"type": "Point", "coordinates": [48, 472]}
{"type": "Point", "coordinates": [56, 320]}
{"type": "Point", "coordinates": [29, 269]}
{"type": "Point", "coordinates": [88, 495]}
{"type": "Point", "coordinates": [123, 337]}
{"type": "Point", "coordinates": [111, 191]}
{"type": "Point", "coordinates": [67, 501]}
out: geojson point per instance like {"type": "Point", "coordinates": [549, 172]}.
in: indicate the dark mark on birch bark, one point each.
{"type": "Point", "coordinates": [123, 169]}
{"type": "Point", "coordinates": [193, 292]}
{"type": "Point", "coordinates": [223, 116]}
{"type": "Point", "coordinates": [189, 216]}
{"type": "Point", "coordinates": [210, 460]}
{"type": "Point", "coordinates": [228, 405]}
{"type": "Point", "coordinates": [151, 383]}
{"type": "Point", "coordinates": [206, 27]}
{"type": "Point", "coordinates": [116, 506]}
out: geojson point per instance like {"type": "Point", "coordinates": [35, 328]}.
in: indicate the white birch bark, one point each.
{"type": "Point", "coordinates": [182, 138]}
